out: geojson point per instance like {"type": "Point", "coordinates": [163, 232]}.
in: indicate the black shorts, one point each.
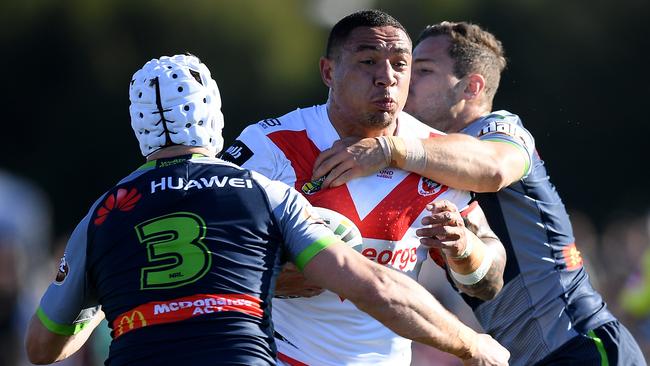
{"type": "Point", "coordinates": [611, 344]}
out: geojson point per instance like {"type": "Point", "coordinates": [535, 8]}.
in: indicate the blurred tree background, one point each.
{"type": "Point", "coordinates": [576, 76]}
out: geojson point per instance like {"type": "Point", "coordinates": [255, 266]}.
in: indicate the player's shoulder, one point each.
{"type": "Point", "coordinates": [296, 120]}
{"type": "Point", "coordinates": [504, 116]}
{"type": "Point", "coordinates": [258, 138]}
{"type": "Point", "coordinates": [232, 168]}
{"type": "Point", "coordinates": [502, 126]}
{"type": "Point", "coordinates": [409, 126]}
{"type": "Point", "coordinates": [216, 162]}
{"type": "Point", "coordinates": [499, 122]}
{"type": "Point", "coordinates": [275, 190]}
{"type": "Point", "coordinates": [500, 117]}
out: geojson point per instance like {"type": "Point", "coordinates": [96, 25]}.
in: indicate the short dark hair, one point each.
{"type": "Point", "coordinates": [473, 49]}
{"type": "Point", "coordinates": [364, 18]}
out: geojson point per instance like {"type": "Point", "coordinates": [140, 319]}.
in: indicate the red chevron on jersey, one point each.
{"type": "Point", "coordinates": [389, 220]}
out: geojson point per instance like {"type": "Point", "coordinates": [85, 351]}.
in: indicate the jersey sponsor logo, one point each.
{"type": "Point", "coordinates": [238, 153]}
{"type": "Point", "coordinates": [385, 173]}
{"type": "Point", "coordinates": [200, 306]}
{"type": "Point", "coordinates": [162, 163]}
{"type": "Point", "coordinates": [510, 129]}
{"type": "Point", "coordinates": [428, 187]}
{"type": "Point", "coordinates": [312, 187]}
{"type": "Point", "coordinates": [215, 181]}
{"type": "Point", "coordinates": [122, 200]}
{"type": "Point", "coordinates": [62, 273]}
{"type": "Point", "coordinates": [269, 122]}
{"type": "Point", "coordinates": [572, 257]}
{"type": "Point", "coordinates": [131, 321]}
{"type": "Point", "coordinates": [183, 308]}
{"type": "Point", "coordinates": [404, 259]}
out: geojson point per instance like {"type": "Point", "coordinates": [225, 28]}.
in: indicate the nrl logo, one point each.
{"type": "Point", "coordinates": [63, 271]}
{"type": "Point", "coordinates": [312, 187]}
{"type": "Point", "coordinates": [427, 187]}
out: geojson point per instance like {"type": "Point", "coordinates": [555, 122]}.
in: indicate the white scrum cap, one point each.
{"type": "Point", "coordinates": [175, 101]}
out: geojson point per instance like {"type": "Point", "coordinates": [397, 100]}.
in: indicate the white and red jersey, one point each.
{"type": "Point", "coordinates": [387, 207]}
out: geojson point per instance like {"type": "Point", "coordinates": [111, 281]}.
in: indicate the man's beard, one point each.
{"type": "Point", "coordinates": [378, 120]}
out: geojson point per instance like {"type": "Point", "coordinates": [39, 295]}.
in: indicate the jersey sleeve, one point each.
{"type": "Point", "coordinates": [304, 233]}
{"type": "Point", "coordinates": [66, 306]}
{"type": "Point", "coordinates": [507, 128]}
{"type": "Point", "coordinates": [254, 150]}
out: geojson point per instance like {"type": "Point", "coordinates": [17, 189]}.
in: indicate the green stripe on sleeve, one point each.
{"type": "Point", "coordinates": [62, 329]}
{"type": "Point", "coordinates": [604, 361]}
{"type": "Point", "coordinates": [314, 248]}
{"type": "Point", "coordinates": [521, 148]}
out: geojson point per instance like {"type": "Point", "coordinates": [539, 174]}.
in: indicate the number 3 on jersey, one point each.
{"type": "Point", "coordinates": [175, 248]}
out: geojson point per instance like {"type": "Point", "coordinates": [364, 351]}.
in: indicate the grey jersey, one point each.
{"type": "Point", "coordinates": [547, 298]}
{"type": "Point", "coordinates": [182, 255]}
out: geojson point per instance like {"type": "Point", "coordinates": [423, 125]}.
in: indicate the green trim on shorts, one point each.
{"type": "Point", "coordinates": [604, 361]}
{"type": "Point", "coordinates": [314, 248]}
{"type": "Point", "coordinates": [527, 157]}
{"type": "Point", "coordinates": [61, 329]}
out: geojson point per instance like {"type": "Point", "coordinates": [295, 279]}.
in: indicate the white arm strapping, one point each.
{"type": "Point", "coordinates": [476, 276]}
{"type": "Point", "coordinates": [415, 156]}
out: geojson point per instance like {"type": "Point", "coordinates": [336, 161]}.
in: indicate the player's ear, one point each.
{"type": "Point", "coordinates": [326, 70]}
{"type": "Point", "coordinates": [474, 85]}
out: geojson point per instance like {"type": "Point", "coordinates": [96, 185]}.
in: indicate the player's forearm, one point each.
{"type": "Point", "coordinates": [486, 249]}
{"type": "Point", "coordinates": [392, 298]}
{"type": "Point", "coordinates": [457, 160]}
{"type": "Point", "coordinates": [486, 252]}
{"type": "Point", "coordinates": [410, 311]}
{"type": "Point", "coordinates": [45, 347]}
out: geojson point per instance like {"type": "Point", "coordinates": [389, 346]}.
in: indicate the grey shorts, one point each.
{"type": "Point", "coordinates": [610, 344]}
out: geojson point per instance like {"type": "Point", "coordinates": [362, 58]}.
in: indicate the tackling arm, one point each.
{"type": "Point", "coordinates": [463, 162]}
{"type": "Point", "coordinates": [456, 160]}
{"type": "Point", "coordinates": [401, 304]}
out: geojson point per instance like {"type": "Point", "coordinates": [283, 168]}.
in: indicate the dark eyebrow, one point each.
{"type": "Point", "coordinates": [420, 59]}
{"type": "Point", "coordinates": [365, 47]}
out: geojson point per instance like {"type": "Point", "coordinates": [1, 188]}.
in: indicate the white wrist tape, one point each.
{"type": "Point", "coordinates": [476, 276]}
{"type": "Point", "coordinates": [383, 142]}
{"type": "Point", "coordinates": [467, 252]}
{"type": "Point", "coordinates": [416, 156]}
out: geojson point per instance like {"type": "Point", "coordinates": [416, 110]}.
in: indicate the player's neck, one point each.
{"type": "Point", "coordinates": [468, 116]}
{"type": "Point", "coordinates": [177, 150]}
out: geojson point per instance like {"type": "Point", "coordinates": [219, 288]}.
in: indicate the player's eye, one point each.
{"type": "Point", "coordinates": [400, 64]}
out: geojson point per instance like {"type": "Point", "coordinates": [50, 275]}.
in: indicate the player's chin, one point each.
{"type": "Point", "coordinates": [381, 119]}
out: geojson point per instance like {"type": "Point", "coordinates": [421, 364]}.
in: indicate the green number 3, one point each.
{"type": "Point", "coordinates": [174, 245]}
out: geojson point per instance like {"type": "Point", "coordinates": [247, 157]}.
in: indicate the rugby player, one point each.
{"type": "Point", "coordinates": [367, 70]}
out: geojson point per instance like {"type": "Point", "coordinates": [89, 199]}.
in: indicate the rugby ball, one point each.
{"type": "Point", "coordinates": [343, 227]}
